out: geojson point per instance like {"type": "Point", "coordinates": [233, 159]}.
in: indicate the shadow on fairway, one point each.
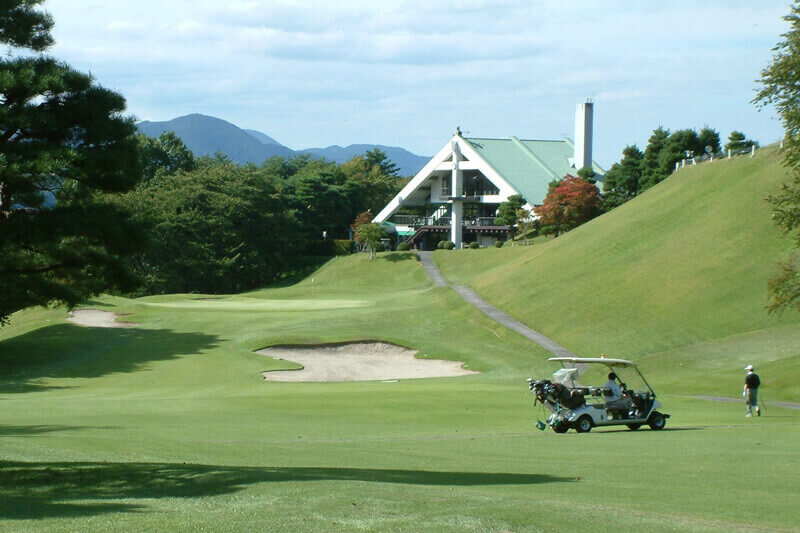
{"type": "Point", "coordinates": [396, 257]}
{"type": "Point", "coordinates": [71, 351]}
{"type": "Point", "coordinates": [644, 431]}
{"type": "Point", "coordinates": [29, 431]}
{"type": "Point", "coordinates": [41, 490]}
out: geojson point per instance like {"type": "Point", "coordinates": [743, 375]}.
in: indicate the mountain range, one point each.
{"type": "Point", "coordinates": [206, 135]}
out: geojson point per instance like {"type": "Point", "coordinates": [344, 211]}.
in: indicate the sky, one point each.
{"type": "Point", "coordinates": [406, 73]}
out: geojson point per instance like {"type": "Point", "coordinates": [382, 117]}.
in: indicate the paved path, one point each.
{"type": "Point", "coordinates": [787, 405]}
{"type": "Point", "coordinates": [491, 311]}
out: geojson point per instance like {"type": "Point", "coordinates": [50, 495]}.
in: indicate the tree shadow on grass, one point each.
{"type": "Point", "coordinates": [30, 431]}
{"type": "Point", "coordinates": [303, 268]}
{"type": "Point", "coordinates": [71, 351]}
{"type": "Point", "coordinates": [396, 257]}
{"type": "Point", "coordinates": [58, 489]}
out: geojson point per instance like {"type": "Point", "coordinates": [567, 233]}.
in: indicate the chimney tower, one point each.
{"type": "Point", "coordinates": [584, 118]}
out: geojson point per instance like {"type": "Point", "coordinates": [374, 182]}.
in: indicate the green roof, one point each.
{"type": "Point", "coordinates": [529, 165]}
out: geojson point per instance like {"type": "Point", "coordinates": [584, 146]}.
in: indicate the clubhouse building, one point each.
{"type": "Point", "coordinates": [457, 193]}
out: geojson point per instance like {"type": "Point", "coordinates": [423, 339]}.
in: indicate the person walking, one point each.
{"type": "Point", "coordinates": [750, 393]}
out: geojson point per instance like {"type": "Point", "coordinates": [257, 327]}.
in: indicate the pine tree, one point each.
{"type": "Point", "coordinates": [65, 148]}
{"type": "Point", "coordinates": [623, 180]}
{"type": "Point", "coordinates": [378, 157]}
{"type": "Point", "coordinates": [709, 138]}
{"type": "Point", "coordinates": [651, 168]}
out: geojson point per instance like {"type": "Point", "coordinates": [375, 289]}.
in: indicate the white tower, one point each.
{"type": "Point", "coordinates": [457, 192]}
{"type": "Point", "coordinates": [583, 134]}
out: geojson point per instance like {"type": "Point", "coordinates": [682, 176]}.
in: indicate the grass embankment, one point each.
{"type": "Point", "coordinates": [678, 274]}
{"type": "Point", "coordinates": [169, 426]}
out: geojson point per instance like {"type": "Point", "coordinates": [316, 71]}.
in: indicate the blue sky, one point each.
{"type": "Point", "coordinates": [406, 73]}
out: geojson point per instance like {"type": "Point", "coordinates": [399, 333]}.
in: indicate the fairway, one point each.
{"type": "Point", "coordinates": [169, 425]}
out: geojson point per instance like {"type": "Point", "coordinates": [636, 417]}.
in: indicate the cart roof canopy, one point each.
{"type": "Point", "coordinates": [600, 360]}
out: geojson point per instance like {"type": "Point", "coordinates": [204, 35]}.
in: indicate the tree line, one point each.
{"type": "Point", "coordinates": [639, 170]}
{"type": "Point", "coordinates": [88, 206]}
{"type": "Point", "coordinates": [215, 226]}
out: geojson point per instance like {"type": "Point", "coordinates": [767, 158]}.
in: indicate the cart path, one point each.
{"type": "Point", "coordinates": [491, 311]}
{"type": "Point", "coordinates": [787, 405]}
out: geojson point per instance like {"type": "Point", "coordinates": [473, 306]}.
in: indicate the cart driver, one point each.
{"type": "Point", "coordinates": [613, 394]}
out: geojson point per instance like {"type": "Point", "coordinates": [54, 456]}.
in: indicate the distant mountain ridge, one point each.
{"type": "Point", "coordinates": [206, 135]}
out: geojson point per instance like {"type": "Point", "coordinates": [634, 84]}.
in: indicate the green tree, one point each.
{"type": "Point", "coordinates": [216, 229]}
{"type": "Point", "coordinates": [526, 223]}
{"type": "Point", "coordinates": [369, 237]}
{"type": "Point", "coordinates": [285, 167]}
{"type": "Point", "coordinates": [65, 148]}
{"type": "Point", "coordinates": [368, 186]}
{"type": "Point", "coordinates": [588, 174]}
{"type": "Point", "coordinates": [709, 137]}
{"type": "Point", "coordinates": [377, 157]}
{"type": "Point", "coordinates": [165, 153]}
{"type": "Point", "coordinates": [780, 87]}
{"type": "Point", "coordinates": [651, 168]}
{"type": "Point", "coordinates": [623, 180]}
{"type": "Point", "coordinates": [738, 141]}
{"type": "Point", "coordinates": [320, 197]}
{"type": "Point", "coordinates": [675, 149]}
{"type": "Point", "coordinates": [507, 212]}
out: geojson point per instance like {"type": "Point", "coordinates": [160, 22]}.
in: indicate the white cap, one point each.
{"type": "Point", "coordinates": [749, 368]}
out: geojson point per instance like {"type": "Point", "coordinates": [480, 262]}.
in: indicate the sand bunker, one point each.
{"type": "Point", "coordinates": [363, 361]}
{"type": "Point", "coordinates": [97, 319]}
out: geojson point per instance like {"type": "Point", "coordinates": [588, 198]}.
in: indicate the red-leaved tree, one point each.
{"type": "Point", "coordinates": [570, 204]}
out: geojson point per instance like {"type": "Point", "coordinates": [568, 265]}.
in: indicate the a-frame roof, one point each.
{"type": "Point", "coordinates": [515, 166]}
{"type": "Point", "coordinates": [529, 165]}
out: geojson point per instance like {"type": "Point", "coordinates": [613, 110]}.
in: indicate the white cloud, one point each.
{"type": "Point", "coordinates": [313, 72]}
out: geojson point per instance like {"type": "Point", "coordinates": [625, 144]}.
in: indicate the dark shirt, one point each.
{"type": "Point", "coordinates": [752, 380]}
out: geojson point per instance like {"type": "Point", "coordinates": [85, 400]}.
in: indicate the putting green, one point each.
{"type": "Point", "coordinates": [256, 304]}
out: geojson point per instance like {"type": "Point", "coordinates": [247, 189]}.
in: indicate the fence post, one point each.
{"type": "Point", "coordinates": [729, 153]}
{"type": "Point", "coordinates": [753, 150]}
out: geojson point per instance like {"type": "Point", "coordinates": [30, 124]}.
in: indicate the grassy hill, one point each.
{"type": "Point", "coordinates": [678, 274]}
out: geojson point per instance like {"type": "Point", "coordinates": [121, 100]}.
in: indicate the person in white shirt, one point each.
{"type": "Point", "coordinates": [613, 394]}
{"type": "Point", "coordinates": [611, 385]}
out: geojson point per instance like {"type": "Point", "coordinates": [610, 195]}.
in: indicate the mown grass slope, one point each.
{"type": "Point", "coordinates": [683, 264]}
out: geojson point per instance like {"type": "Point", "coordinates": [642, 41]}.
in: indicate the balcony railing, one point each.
{"type": "Point", "coordinates": [417, 221]}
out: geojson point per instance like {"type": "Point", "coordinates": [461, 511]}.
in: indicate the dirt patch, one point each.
{"type": "Point", "coordinates": [363, 361]}
{"type": "Point", "coordinates": [95, 318]}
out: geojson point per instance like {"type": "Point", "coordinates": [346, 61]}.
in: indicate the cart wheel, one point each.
{"type": "Point", "coordinates": [634, 427]}
{"type": "Point", "coordinates": [561, 428]}
{"type": "Point", "coordinates": [657, 421]}
{"type": "Point", "coordinates": [584, 424]}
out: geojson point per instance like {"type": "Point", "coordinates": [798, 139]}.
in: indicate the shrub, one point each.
{"type": "Point", "coordinates": [440, 245]}
{"type": "Point", "coordinates": [499, 244]}
{"type": "Point", "coordinates": [403, 247]}
{"type": "Point", "coordinates": [448, 245]}
{"type": "Point", "coordinates": [474, 245]}
{"type": "Point", "coordinates": [343, 246]}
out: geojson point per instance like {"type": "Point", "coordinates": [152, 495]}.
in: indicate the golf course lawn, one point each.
{"type": "Point", "coordinates": [169, 425]}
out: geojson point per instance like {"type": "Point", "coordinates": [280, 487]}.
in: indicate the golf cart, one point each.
{"type": "Point", "coordinates": [578, 407]}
